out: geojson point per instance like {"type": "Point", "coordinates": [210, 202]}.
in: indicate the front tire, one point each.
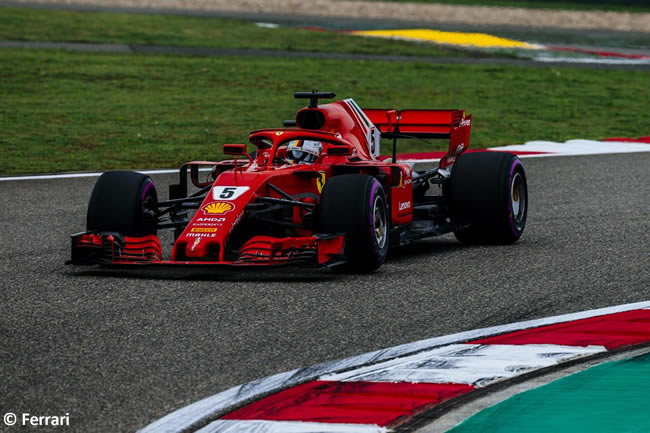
{"type": "Point", "coordinates": [488, 198]}
{"type": "Point", "coordinates": [355, 204]}
{"type": "Point", "coordinates": [118, 204]}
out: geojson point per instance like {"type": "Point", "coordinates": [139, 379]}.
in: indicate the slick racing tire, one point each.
{"type": "Point", "coordinates": [355, 205]}
{"type": "Point", "coordinates": [117, 204]}
{"type": "Point", "coordinates": [488, 198]}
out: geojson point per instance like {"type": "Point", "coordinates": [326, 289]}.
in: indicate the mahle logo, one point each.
{"type": "Point", "coordinates": [218, 207]}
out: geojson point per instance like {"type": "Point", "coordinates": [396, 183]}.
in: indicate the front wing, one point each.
{"type": "Point", "coordinates": [93, 248]}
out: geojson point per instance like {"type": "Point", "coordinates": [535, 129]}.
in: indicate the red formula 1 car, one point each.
{"type": "Point", "coordinates": [314, 193]}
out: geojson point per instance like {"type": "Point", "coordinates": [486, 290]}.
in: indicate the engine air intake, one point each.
{"type": "Point", "coordinates": [310, 118]}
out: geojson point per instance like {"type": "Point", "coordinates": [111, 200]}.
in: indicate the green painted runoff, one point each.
{"type": "Point", "coordinates": [611, 397]}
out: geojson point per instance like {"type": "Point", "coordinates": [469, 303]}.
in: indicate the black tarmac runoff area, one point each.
{"type": "Point", "coordinates": [116, 350]}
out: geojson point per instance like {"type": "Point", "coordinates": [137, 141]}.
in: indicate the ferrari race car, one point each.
{"type": "Point", "coordinates": [314, 193]}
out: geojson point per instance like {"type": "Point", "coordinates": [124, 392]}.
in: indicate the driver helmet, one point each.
{"type": "Point", "coordinates": [304, 151]}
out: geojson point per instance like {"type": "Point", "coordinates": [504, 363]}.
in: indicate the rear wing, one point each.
{"type": "Point", "coordinates": [445, 124]}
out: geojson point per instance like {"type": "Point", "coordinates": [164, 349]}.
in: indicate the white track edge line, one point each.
{"type": "Point", "coordinates": [185, 417]}
{"type": "Point", "coordinates": [500, 148]}
{"type": "Point", "coordinates": [79, 175]}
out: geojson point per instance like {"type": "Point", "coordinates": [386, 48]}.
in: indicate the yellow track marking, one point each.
{"type": "Point", "coordinates": [481, 40]}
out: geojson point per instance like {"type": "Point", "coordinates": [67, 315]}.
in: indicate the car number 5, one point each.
{"type": "Point", "coordinates": [228, 192]}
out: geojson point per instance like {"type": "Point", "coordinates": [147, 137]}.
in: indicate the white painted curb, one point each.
{"type": "Point", "coordinates": [184, 418]}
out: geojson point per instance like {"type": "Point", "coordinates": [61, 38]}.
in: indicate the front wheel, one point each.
{"type": "Point", "coordinates": [488, 198]}
{"type": "Point", "coordinates": [119, 202]}
{"type": "Point", "coordinates": [355, 204]}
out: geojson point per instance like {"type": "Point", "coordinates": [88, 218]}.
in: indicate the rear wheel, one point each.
{"type": "Point", "coordinates": [488, 198]}
{"type": "Point", "coordinates": [356, 205]}
{"type": "Point", "coordinates": [118, 204]}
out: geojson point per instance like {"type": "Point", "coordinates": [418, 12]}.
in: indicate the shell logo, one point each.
{"type": "Point", "coordinates": [218, 207]}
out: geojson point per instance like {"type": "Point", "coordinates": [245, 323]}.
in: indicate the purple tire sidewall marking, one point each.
{"type": "Point", "coordinates": [146, 189]}
{"type": "Point", "coordinates": [511, 220]}
{"type": "Point", "coordinates": [373, 194]}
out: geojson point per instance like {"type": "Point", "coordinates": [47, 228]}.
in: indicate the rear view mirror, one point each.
{"type": "Point", "coordinates": [236, 149]}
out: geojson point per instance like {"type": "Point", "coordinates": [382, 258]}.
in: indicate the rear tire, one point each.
{"type": "Point", "coordinates": [488, 198]}
{"type": "Point", "coordinates": [117, 204]}
{"type": "Point", "coordinates": [355, 204]}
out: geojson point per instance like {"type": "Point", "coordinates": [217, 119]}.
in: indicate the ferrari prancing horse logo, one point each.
{"type": "Point", "coordinates": [320, 181]}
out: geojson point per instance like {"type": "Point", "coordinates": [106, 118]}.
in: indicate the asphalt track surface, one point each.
{"type": "Point", "coordinates": [117, 350]}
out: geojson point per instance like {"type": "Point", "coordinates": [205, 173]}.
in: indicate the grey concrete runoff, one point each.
{"type": "Point", "coordinates": [413, 13]}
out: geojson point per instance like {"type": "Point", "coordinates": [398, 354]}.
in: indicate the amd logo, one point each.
{"type": "Point", "coordinates": [210, 219]}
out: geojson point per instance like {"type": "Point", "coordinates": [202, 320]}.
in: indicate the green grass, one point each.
{"type": "Point", "coordinates": [581, 5]}
{"type": "Point", "coordinates": [104, 27]}
{"type": "Point", "coordinates": [67, 111]}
